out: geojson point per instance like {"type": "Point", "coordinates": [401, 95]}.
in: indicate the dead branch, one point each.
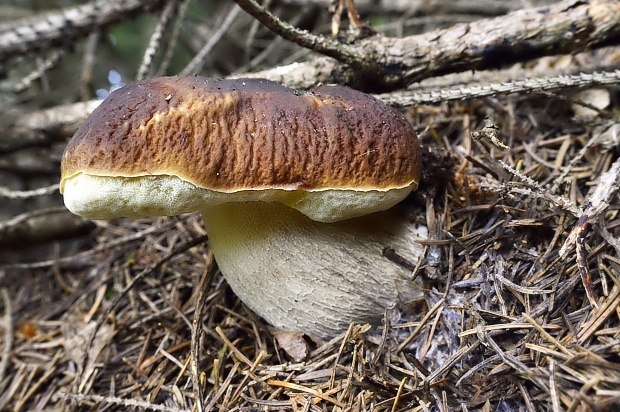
{"type": "Point", "coordinates": [328, 46]}
{"type": "Point", "coordinates": [418, 7]}
{"type": "Point", "coordinates": [197, 62]}
{"type": "Point", "coordinates": [380, 63]}
{"type": "Point", "coordinates": [592, 212]}
{"type": "Point", "coordinates": [62, 27]}
{"type": "Point", "coordinates": [40, 227]}
{"type": "Point", "coordinates": [472, 91]}
{"type": "Point", "coordinates": [164, 20]}
{"type": "Point", "coordinates": [39, 127]}
{"type": "Point", "coordinates": [25, 194]}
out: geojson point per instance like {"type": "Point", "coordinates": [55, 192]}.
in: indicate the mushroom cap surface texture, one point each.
{"type": "Point", "coordinates": [333, 153]}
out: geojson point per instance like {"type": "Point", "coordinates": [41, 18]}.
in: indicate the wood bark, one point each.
{"type": "Point", "coordinates": [418, 7]}
{"type": "Point", "coordinates": [40, 33]}
{"type": "Point", "coordinates": [392, 63]}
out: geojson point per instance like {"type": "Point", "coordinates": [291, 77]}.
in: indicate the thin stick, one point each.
{"type": "Point", "coordinates": [97, 249]}
{"type": "Point", "coordinates": [320, 44]}
{"type": "Point", "coordinates": [149, 53]}
{"type": "Point", "coordinates": [301, 388]}
{"type": "Point", "coordinates": [223, 388]}
{"type": "Point", "coordinates": [423, 322]}
{"type": "Point", "coordinates": [475, 91]}
{"type": "Point", "coordinates": [232, 347]}
{"type": "Point", "coordinates": [547, 336]}
{"type": "Point", "coordinates": [197, 330]}
{"type": "Point", "coordinates": [173, 38]}
{"type": "Point", "coordinates": [8, 332]}
{"type": "Point", "coordinates": [199, 60]}
{"type": "Point", "coordinates": [26, 194]}
{"type": "Point", "coordinates": [120, 401]}
{"type": "Point", "coordinates": [399, 393]}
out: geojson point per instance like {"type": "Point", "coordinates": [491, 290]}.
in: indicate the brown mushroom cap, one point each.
{"type": "Point", "coordinates": [251, 155]}
{"type": "Point", "coordinates": [247, 135]}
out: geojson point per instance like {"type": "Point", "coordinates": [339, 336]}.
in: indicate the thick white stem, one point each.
{"type": "Point", "coordinates": [308, 276]}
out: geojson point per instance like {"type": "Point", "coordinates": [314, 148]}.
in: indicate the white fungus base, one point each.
{"type": "Point", "coordinates": [309, 276]}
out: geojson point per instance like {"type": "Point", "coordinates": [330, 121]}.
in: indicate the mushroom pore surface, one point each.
{"type": "Point", "coordinates": [291, 186]}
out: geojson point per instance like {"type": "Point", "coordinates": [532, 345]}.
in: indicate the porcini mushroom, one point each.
{"type": "Point", "coordinates": [290, 184]}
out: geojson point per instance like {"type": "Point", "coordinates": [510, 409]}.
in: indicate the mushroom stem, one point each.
{"type": "Point", "coordinates": [313, 277]}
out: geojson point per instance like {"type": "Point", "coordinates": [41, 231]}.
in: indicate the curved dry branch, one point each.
{"type": "Point", "coordinates": [41, 32]}
{"type": "Point", "coordinates": [328, 46]}
{"type": "Point", "coordinates": [416, 7]}
{"type": "Point", "coordinates": [382, 64]}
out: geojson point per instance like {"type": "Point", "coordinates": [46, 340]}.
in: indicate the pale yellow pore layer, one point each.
{"type": "Point", "coordinates": [106, 197]}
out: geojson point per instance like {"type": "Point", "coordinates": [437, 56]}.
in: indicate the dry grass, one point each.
{"type": "Point", "coordinates": [136, 317]}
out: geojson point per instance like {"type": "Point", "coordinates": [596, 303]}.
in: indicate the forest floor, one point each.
{"type": "Point", "coordinates": [521, 274]}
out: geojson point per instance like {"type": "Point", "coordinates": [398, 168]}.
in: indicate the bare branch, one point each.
{"type": "Point", "coordinates": [197, 62]}
{"type": "Point", "coordinates": [390, 63]}
{"type": "Point", "coordinates": [174, 37]}
{"type": "Point", "coordinates": [41, 226]}
{"type": "Point", "coordinates": [536, 85]}
{"type": "Point", "coordinates": [33, 128]}
{"type": "Point", "coordinates": [41, 32]}
{"type": "Point", "coordinates": [20, 194]}
{"type": "Point", "coordinates": [320, 44]}
{"type": "Point", "coordinates": [540, 191]}
{"type": "Point", "coordinates": [40, 70]}
{"type": "Point", "coordinates": [417, 7]}
{"type": "Point", "coordinates": [156, 37]}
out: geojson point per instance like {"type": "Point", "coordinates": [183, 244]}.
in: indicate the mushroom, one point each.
{"type": "Point", "coordinates": [294, 188]}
